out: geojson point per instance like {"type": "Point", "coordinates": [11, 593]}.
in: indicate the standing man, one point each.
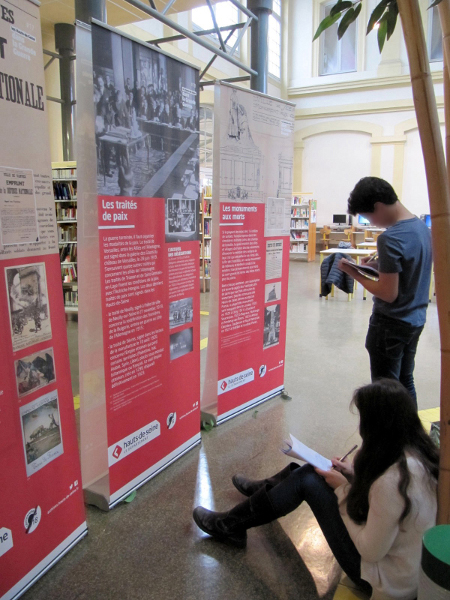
{"type": "Point", "coordinates": [400, 297]}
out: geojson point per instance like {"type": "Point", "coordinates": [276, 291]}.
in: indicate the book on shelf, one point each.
{"type": "Point", "coordinates": [67, 233]}
{"type": "Point", "coordinates": [65, 191]}
{"type": "Point", "coordinates": [71, 296]}
{"type": "Point", "coordinates": [296, 449]}
{"type": "Point", "coordinates": [68, 253]}
{"type": "Point", "coordinates": [66, 214]}
{"type": "Point", "coordinates": [65, 173]}
{"type": "Point", "coordinates": [68, 272]}
{"type": "Point", "coordinates": [207, 248]}
{"type": "Point", "coordinates": [207, 228]}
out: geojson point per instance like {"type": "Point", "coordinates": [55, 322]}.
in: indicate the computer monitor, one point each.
{"type": "Point", "coordinates": [340, 219]}
{"type": "Point", "coordinates": [363, 221]}
{"type": "Point", "coordinates": [426, 219]}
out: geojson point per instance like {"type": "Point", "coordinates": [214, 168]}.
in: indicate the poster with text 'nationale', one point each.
{"type": "Point", "coordinates": [41, 501]}
{"type": "Point", "coordinates": [145, 114]}
{"type": "Point", "coordinates": [252, 191]}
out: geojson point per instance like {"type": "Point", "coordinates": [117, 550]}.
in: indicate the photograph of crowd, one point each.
{"type": "Point", "coordinates": [180, 312]}
{"type": "Point", "coordinates": [181, 343]}
{"type": "Point", "coordinates": [181, 220]}
{"type": "Point", "coordinates": [271, 325]}
{"type": "Point", "coordinates": [146, 120]}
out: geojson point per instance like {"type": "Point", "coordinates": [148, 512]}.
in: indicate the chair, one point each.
{"type": "Point", "coordinates": [326, 230]}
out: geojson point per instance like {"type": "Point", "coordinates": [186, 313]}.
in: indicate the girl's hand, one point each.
{"type": "Point", "coordinates": [345, 467]}
{"type": "Point", "coordinates": [333, 478]}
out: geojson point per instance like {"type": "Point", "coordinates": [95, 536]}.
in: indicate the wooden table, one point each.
{"type": "Point", "coordinates": [356, 254]}
{"type": "Point", "coordinates": [120, 144]}
{"type": "Point", "coordinates": [367, 245]}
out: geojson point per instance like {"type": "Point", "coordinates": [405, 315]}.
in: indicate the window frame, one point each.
{"type": "Point", "coordinates": [431, 14]}
{"type": "Point", "coordinates": [279, 19]}
{"type": "Point", "coordinates": [212, 37]}
{"type": "Point", "coordinates": [322, 8]}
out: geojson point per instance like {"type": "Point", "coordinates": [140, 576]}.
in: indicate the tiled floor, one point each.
{"type": "Point", "coordinates": [151, 549]}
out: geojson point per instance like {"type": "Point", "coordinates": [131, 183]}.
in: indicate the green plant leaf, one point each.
{"type": "Point", "coordinates": [391, 19]}
{"type": "Point", "coordinates": [350, 16]}
{"type": "Point", "coordinates": [325, 23]}
{"type": "Point", "coordinates": [435, 3]}
{"type": "Point", "coordinates": [255, 414]}
{"type": "Point", "coordinates": [207, 425]}
{"type": "Point", "coordinates": [382, 32]}
{"type": "Point", "coordinates": [376, 15]}
{"type": "Point", "coordinates": [340, 6]}
{"type": "Point", "coordinates": [131, 497]}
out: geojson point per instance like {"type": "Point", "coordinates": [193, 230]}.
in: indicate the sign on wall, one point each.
{"type": "Point", "coordinates": [41, 501]}
{"type": "Point", "coordinates": [252, 191]}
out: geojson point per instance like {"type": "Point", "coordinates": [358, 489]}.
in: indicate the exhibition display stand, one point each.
{"type": "Point", "coordinates": [41, 500]}
{"type": "Point", "coordinates": [138, 244]}
{"type": "Point", "coordinates": [252, 191]}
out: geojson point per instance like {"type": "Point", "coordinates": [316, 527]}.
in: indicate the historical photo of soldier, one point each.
{"type": "Point", "coordinates": [34, 371]}
{"type": "Point", "coordinates": [271, 325]}
{"type": "Point", "coordinates": [28, 305]}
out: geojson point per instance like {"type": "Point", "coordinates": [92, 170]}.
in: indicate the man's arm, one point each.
{"type": "Point", "coordinates": [385, 289]}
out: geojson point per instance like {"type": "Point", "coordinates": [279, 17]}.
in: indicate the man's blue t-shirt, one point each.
{"type": "Point", "coordinates": [405, 248]}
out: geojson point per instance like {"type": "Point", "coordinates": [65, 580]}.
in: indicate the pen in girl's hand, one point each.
{"type": "Point", "coordinates": [348, 454]}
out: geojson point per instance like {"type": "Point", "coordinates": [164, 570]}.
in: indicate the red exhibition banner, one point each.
{"type": "Point", "coordinates": [140, 388]}
{"type": "Point", "coordinates": [41, 500]}
{"type": "Point", "coordinates": [252, 189]}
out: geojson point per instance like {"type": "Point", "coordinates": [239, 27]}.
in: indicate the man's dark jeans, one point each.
{"type": "Point", "coordinates": [392, 346]}
{"type": "Point", "coordinates": [304, 484]}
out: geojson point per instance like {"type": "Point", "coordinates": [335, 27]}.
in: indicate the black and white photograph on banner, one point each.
{"type": "Point", "coordinates": [180, 312]}
{"type": "Point", "coordinates": [181, 343]}
{"type": "Point", "coordinates": [34, 371]}
{"type": "Point", "coordinates": [28, 305]}
{"type": "Point", "coordinates": [146, 120]}
{"type": "Point", "coordinates": [41, 428]}
{"type": "Point", "coordinates": [273, 291]}
{"type": "Point", "coordinates": [181, 220]}
{"type": "Point", "coordinates": [271, 325]}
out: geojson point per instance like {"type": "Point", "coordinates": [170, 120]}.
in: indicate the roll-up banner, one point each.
{"type": "Point", "coordinates": [252, 194]}
{"type": "Point", "coordinates": [41, 501]}
{"type": "Point", "coordinates": [138, 261]}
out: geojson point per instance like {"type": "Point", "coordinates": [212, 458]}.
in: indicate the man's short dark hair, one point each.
{"type": "Point", "coordinates": [367, 192]}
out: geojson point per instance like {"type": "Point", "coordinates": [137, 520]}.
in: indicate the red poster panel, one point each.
{"type": "Point", "coordinates": [138, 257]}
{"type": "Point", "coordinates": [252, 189]}
{"type": "Point", "coordinates": [41, 500]}
{"type": "Point", "coordinates": [151, 318]}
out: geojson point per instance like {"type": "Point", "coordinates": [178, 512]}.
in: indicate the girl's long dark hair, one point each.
{"type": "Point", "coordinates": [389, 426]}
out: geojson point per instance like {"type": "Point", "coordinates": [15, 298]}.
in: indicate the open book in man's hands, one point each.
{"type": "Point", "coordinates": [296, 449]}
{"type": "Point", "coordinates": [365, 270]}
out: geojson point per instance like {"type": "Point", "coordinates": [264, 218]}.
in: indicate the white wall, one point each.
{"type": "Point", "coordinates": [332, 164]}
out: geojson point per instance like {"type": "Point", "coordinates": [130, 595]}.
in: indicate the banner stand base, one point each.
{"type": "Point", "coordinates": [249, 405]}
{"type": "Point", "coordinates": [206, 417]}
{"type": "Point", "coordinates": [94, 498]}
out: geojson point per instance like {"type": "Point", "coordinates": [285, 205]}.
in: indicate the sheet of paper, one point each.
{"type": "Point", "coordinates": [301, 451]}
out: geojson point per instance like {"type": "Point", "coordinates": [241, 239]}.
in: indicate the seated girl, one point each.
{"type": "Point", "coordinates": [372, 513]}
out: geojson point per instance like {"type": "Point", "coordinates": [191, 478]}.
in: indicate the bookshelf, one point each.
{"type": "Point", "coordinates": [303, 226]}
{"type": "Point", "coordinates": [205, 242]}
{"type": "Point", "coordinates": [64, 176]}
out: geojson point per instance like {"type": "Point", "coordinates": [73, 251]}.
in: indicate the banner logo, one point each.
{"type": "Point", "coordinates": [6, 540]}
{"type": "Point", "coordinates": [133, 442]}
{"type": "Point", "coordinates": [235, 381]}
{"type": "Point", "coordinates": [32, 519]}
{"type": "Point", "coordinates": [117, 452]}
{"type": "Point", "coordinates": [171, 420]}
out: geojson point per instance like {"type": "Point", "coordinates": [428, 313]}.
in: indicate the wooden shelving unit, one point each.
{"type": "Point", "coordinates": [206, 241]}
{"type": "Point", "coordinates": [65, 193]}
{"type": "Point", "coordinates": [303, 226]}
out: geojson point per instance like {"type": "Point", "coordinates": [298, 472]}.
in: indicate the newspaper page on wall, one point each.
{"type": "Point", "coordinates": [41, 500]}
{"type": "Point", "coordinates": [144, 107]}
{"type": "Point", "coordinates": [252, 191]}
